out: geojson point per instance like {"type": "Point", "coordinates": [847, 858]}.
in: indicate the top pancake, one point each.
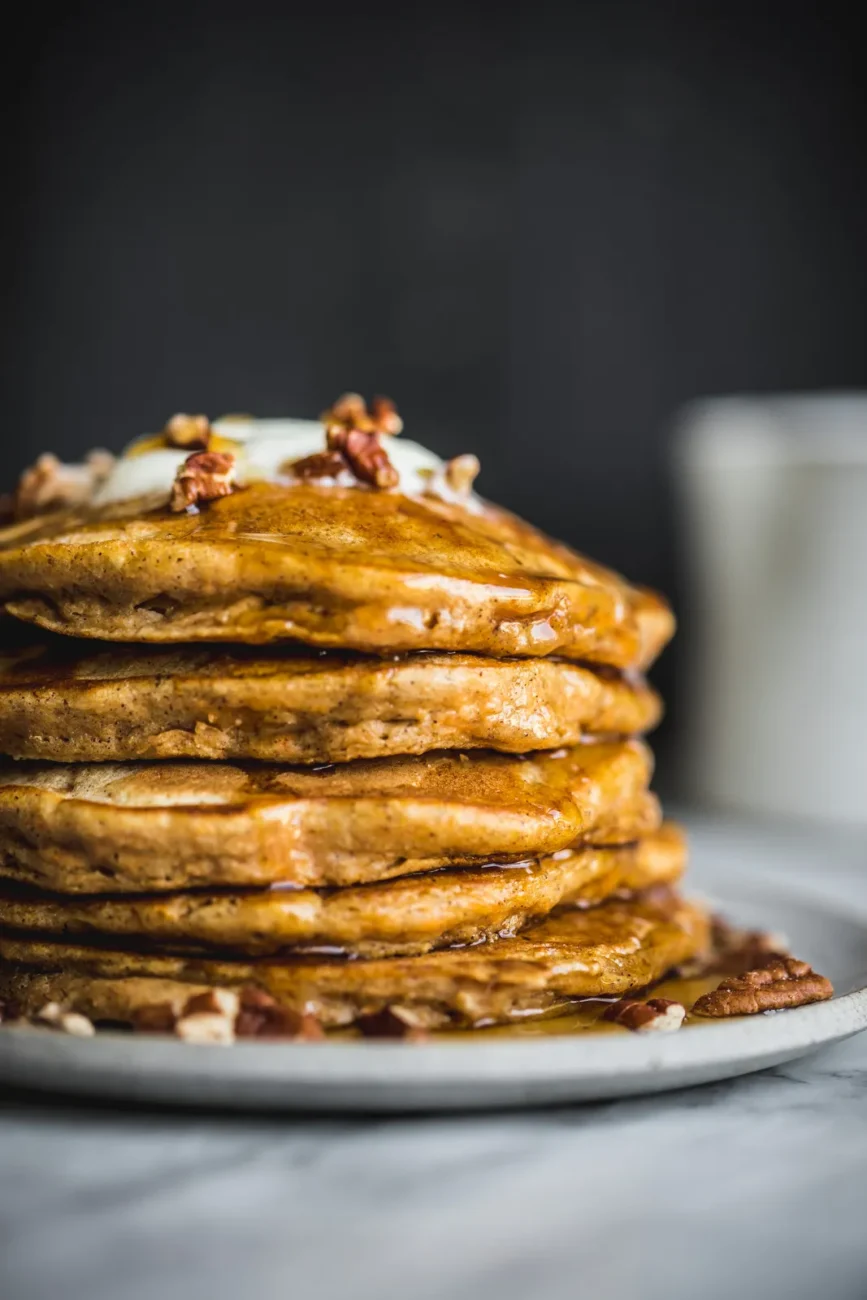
{"type": "Point", "coordinates": [327, 566]}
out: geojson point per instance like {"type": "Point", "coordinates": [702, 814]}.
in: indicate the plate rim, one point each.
{"type": "Point", "coordinates": [162, 1068]}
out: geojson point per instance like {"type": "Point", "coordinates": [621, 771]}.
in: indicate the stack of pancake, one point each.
{"type": "Point", "coordinates": [322, 723]}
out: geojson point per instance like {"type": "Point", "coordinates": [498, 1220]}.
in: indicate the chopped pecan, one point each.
{"type": "Point", "coordinates": [68, 1022]}
{"type": "Point", "coordinates": [461, 472]}
{"type": "Point", "coordinates": [658, 1015]}
{"type": "Point", "coordinates": [209, 1017]}
{"type": "Point", "coordinates": [365, 456]}
{"type": "Point", "coordinates": [351, 412]}
{"type": "Point", "coordinates": [192, 432]}
{"type": "Point", "coordinates": [213, 1002]}
{"type": "Point", "coordinates": [261, 1016]}
{"type": "Point", "coordinates": [383, 413]}
{"type": "Point", "coordinates": [52, 485]}
{"type": "Point", "coordinates": [354, 430]}
{"type": "Point", "coordinates": [392, 1022]}
{"type": "Point", "coordinates": [322, 464]}
{"type": "Point", "coordinates": [777, 982]}
{"type": "Point", "coordinates": [204, 476]}
{"type": "Point", "coordinates": [207, 1028]}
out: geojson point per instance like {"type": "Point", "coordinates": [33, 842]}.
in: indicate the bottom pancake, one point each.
{"type": "Point", "coordinates": [409, 915]}
{"type": "Point", "coordinates": [602, 951]}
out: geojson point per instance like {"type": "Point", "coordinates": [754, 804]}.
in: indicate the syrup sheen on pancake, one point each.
{"type": "Point", "coordinates": [102, 827]}
{"type": "Point", "coordinates": [409, 915]}
{"type": "Point", "coordinates": [330, 566]}
{"type": "Point", "coordinates": [69, 701]}
{"type": "Point", "coordinates": [601, 951]}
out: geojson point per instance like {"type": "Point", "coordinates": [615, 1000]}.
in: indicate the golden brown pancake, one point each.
{"type": "Point", "coordinates": [607, 950]}
{"type": "Point", "coordinates": [63, 700]}
{"type": "Point", "coordinates": [103, 827]}
{"type": "Point", "coordinates": [330, 567]}
{"type": "Point", "coordinates": [412, 914]}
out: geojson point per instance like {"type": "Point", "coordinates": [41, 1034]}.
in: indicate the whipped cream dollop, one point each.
{"type": "Point", "coordinates": [264, 450]}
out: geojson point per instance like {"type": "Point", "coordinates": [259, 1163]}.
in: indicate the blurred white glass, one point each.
{"type": "Point", "coordinates": [774, 502]}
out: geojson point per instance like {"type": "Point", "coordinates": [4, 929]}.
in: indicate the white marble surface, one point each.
{"type": "Point", "coordinates": [751, 1188]}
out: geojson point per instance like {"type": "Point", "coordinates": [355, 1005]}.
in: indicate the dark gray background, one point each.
{"type": "Point", "coordinates": [540, 228]}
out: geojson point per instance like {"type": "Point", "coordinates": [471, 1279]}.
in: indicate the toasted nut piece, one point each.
{"type": "Point", "coordinates": [213, 1002]}
{"type": "Point", "coordinates": [68, 1022]}
{"type": "Point", "coordinates": [461, 473]}
{"type": "Point", "coordinates": [776, 983]}
{"type": "Point", "coordinates": [206, 1027]}
{"type": "Point", "coordinates": [392, 1022]}
{"type": "Point", "coordinates": [261, 1016]}
{"type": "Point", "coordinates": [204, 476]}
{"type": "Point", "coordinates": [52, 485]}
{"type": "Point", "coordinates": [350, 411]}
{"type": "Point", "coordinates": [365, 455]}
{"type": "Point", "coordinates": [658, 1016]}
{"type": "Point", "coordinates": [189, 431]}
{"type": "Point", "coordinates": [354, 431]}
{"type": "Point", "coordinates": [385, 418]}
{"type": "Point", "coordinates": [322, 464]}
{"type": "Point", "coordinates": [733, 951]}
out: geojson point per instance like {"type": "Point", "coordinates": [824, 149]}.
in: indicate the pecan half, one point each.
{"type": "Point", "coordinates": [49, 484]}
{"type": "Point", "coordinates": [776, 983]}
{"type": "Point", "coordinates": [733, 951]}
{"type": "Point", "coordinates": [365, 456]}
{"type": "Point", "coordinates": [204, 476]}
{"type": "Point", "coordinates": [392, 1022]}
{"type": "Point", "coordinates": [261, 1016]}
{"type": "Point", "coordinates": [192, 432]}
{"type": "Point", "coordinates": [657, 1016]}
{"type": "Point", "coordinates": [354, 430]}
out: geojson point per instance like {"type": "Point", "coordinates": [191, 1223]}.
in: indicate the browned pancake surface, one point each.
{"type": "Point", "coordinates": [63, 701]}
{"type": "Point", "coordinates": [607, 950]}
{"type": "Point", "coordinates": [102, 827]}
{"type": "Point", "coordinates": [404, 916]}
{"type": "Point", "coordinates": [331, 567]}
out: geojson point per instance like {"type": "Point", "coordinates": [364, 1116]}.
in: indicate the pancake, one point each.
{"type": "Point", "coordinates": [603, 951]}
{"type": "Point", "coordinates": [62, 700]}
{"type": "Point", "coordinates": [330, 567]}
{"type": "Point", "coordinates": [405, 916]}
{"type": "Point", "coordinates": [104, 827]}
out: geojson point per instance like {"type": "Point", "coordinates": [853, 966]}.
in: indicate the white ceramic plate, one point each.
{"type": "Point", "coordinates": [395, 1076]}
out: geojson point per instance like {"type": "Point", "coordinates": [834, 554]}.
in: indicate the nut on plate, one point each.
{"type": "Point", "coordinates": [657, 1016]}
{"type": "Point", "coordinates": [778, 982]}
{"type": "Point", "coordinates": [68, 1022]}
